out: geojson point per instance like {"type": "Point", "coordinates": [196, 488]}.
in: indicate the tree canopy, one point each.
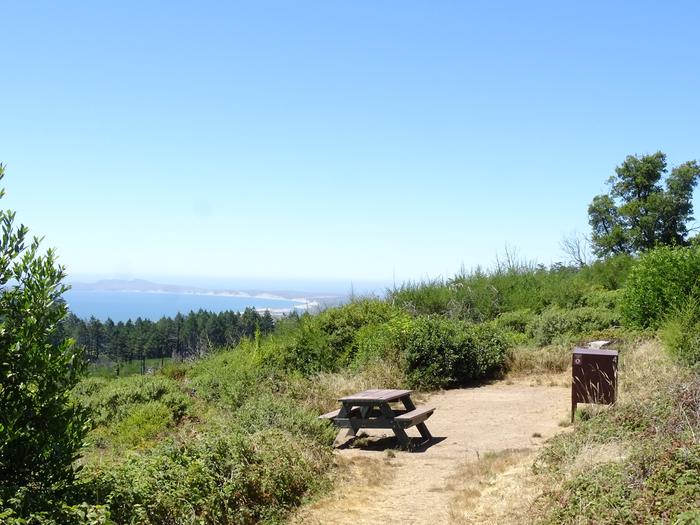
{"type": "Point", "coordinates": [640, 212]}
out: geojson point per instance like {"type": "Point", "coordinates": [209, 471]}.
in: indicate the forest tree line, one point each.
{"type": "Point", "coordinates": [180, 337]}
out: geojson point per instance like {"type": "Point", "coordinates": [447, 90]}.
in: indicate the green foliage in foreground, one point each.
{"type": "Point", "coordinates": [41, 429]}
{"type": "Point", "coordinates": [655, 478]}
{"type": "Point", "coordinates": [226, 477]}
{"type": "Point", "coordinates": [210, 442]}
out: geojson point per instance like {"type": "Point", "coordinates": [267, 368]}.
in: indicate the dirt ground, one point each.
{"type": "Point", "coordinates": [380, 485]}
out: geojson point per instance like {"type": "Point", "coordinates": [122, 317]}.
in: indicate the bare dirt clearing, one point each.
{"type": "Point", "coordinates": [387, 486]}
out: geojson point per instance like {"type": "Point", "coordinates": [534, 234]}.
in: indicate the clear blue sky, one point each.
{"type": "Point", "coordinates": [329, 139]}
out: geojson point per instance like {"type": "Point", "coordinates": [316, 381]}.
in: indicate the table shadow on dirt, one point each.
{"type": "Point", "coordinates": [382, 443]}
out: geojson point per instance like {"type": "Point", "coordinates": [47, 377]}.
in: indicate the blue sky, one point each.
{"type": "Point", "coordinates": [331, 140]}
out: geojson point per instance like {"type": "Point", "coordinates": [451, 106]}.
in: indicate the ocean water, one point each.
{"type": "Point", "coordinates": [121, 306]}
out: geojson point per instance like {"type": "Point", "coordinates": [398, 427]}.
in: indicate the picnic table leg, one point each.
{"type": "Point", "coordinates": [422, 428]}
{"type": "Point", "coordinates": [424, 432]}
{"type": "Point", "coordinates": [408, 403]}
{"type": "Point", "coordinates": [401, 436]}
{"type": "Point", "coordinates": [345, 433]}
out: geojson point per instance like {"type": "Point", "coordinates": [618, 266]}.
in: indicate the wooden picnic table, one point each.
{"type": "Point", "coordinates": [372, 409]}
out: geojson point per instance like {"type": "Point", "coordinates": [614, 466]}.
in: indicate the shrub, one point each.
{"type": "Point", "coordinates": [340, 325]}
{"type": "Point", "coordinates": [442, 352]}
{"type": "Point", "coordinates": [515, 321]}
{"type": "Point", "coordinates": [41, 427]}
{"type": "Point", "coordinates": [660, 282]}
{"type": "Point", "coordinates": [140, 423]}
{"type": "Point", "coordinates": [381, 341]}
{"type": "Point", "coordinates": [57, 513]}
{"type": "Point", "coordinates": [309, 350]}
{"type": "Point", "coordinates": [681, 333]}
{"type": "Point", "coordinates": [118, 398]}
{"type": "Point", "coordinates": [229, 378]}
{"type": "Point", "coordinates": [270, 411]}
{"type": "Point", "coordinates": [221, 478]}
{"type": "Point", "coordinates": [328, 341]}
{"type": "Point", "coordinates": [610, 273]}
{"type": "Point", "coordinates": [555, 322]}
{"type": "Point", "coordinates": [427, 297]}
{"type": "Point", "coordinates": [480, 296]}
{"type": "Point", "coordinates": [609, 299]}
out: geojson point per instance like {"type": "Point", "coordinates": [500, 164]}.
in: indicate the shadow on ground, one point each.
{"type": "Point", "coordinates": [381, 443]}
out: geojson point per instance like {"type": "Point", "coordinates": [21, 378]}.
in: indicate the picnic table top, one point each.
{"type": "Point", "coordinates": [380, 396]}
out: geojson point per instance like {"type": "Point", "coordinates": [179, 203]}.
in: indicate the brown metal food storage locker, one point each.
{"type": "Point", "coordinates": [594, 377]}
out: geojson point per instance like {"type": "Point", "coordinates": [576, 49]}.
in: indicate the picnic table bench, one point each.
{"type": "Point", "coordinates": [372, 409]}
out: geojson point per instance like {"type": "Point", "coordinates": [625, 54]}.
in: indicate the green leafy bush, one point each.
{"type": "Point", "coordinates": [556, 322]}
{"type": "Point", "coordinates": [609, 299]}
{"type": "Point", "coordinates": [681, 333]}
{"type": "Point", "coordinates": [222, 478]}
{"type": "Point", "coordinates": [273, 411]}
{"type": "Point", "coordinates": [609, 274]}
{"type": "Point", "coordinates": [443, 352]}
{"type": "Point", "coordinates": [660, 282]}
{"type": "Point", "coordinates": [117, 399]}
{"type": "Point", "coordinates": [41, 427]}
{"type": "Point", "coordinates": [382, 341]}
{"type": "Point", "coordinates": [229, 378]}
{"type": "Point", "coordinates": [139, 424]}
{"type": "Point", "coordinates": [57, 513]}
{"type": "Point", "coordinates": [515, 321]}
{"type": "Point", "coordinates": [328, 341]}
{"type": "Point", "coordinates": [427, 297]}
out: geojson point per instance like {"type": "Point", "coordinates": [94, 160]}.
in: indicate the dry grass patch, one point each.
{"type": "Point", "coordinates": [363, 473]}
{"type": "Point", "coordinates": [320, 392]}
{"type": "Point", "coordinates": [498, 488]}
{"type": "Point", "coordinates": [528, 360]}
{"type": "Point", "coordinates": [594, 454]}
{"type": "Point", "coordinates": [645, 369]}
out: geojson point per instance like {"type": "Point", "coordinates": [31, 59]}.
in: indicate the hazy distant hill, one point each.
{"type": "Point", "coordinates": [134, 285]}
{"type": "Point", "coordinates": [141, 285]}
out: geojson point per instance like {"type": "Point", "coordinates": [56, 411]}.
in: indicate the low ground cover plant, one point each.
{"type": "Point", "coordinates": [643, 463]}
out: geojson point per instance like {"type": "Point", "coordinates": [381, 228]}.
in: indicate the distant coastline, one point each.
{"type": "Point", "coordinates": [121, 300]}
